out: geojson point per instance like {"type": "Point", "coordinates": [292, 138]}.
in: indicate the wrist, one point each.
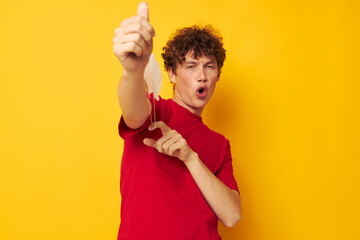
{"type": "Point", "coordinates": [192, 158]}
{"type": "Point", "coordinates": [133, 75]}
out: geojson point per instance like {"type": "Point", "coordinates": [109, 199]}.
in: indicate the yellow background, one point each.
{"type": "Point", "coordinates": [288, 100]}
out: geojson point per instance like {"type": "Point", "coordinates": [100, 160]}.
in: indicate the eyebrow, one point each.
{"type": "Point", "coordinates": [196, 62]}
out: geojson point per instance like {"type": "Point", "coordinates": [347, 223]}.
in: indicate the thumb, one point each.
{"type": "Point", "coordinates": [149, 142]}
{"type": "Point", "coordinates": [143, 10]}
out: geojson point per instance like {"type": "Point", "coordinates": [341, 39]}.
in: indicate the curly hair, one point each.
{"type": "Point", "coordinates": [202, 40]}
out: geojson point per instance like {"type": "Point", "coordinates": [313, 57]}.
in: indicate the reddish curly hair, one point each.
{"type": "Point", "coordinates": [202, 40]}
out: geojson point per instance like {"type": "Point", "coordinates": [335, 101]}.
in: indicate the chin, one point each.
{"type": "Point", "coordinates": [200, 104]}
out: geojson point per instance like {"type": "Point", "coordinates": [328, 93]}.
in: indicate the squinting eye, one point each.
{"type": "Point", "coordinates": [210, 66]}
{"type": "Point", "coordinates": [190, 66]}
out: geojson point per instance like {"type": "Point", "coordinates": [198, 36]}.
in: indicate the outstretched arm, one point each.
{"type": "Point", "coordinates": [133, 45]}
{"type": "Point", "coordinates": [224, 201]}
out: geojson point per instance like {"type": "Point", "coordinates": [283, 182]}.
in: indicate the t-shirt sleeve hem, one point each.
{"type": "Point", "coordinates": [126, 132]}
{"type": "Point", "coordinates": [226, 171]}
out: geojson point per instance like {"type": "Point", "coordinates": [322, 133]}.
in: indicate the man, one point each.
{"type": "Point", "coordinates": [176, 174]}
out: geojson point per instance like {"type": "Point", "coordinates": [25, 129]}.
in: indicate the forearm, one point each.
{"type": "Point", "coordinates": [133, 45]}
{"type": "Point", "coordinates": [223, 201]}
{"type": "Point", "coordinates": [133, 101]}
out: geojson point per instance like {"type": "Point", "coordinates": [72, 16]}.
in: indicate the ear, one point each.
{"type": "Point", "coordinates": [172, 75]}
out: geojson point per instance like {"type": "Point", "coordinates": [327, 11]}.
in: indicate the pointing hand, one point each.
{"type": "Point", "coordinates": [171, 143]}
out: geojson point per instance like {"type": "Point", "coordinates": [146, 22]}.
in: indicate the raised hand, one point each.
{"type": "Point", "coordinates": [171, 143]}
{"type": "Point", "coordinates": [133, 41]}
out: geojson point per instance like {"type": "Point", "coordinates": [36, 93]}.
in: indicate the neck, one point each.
{"type": "Point", "coordinates": [196, 111]}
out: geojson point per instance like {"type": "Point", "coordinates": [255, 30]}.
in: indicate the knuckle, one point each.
{"type": "Point", "coordinates": [123, 22]}
{"type": "Point", "coordinates": [132, 45]}
{"type": "Point", "coordinates": [147, 39]}
{"type": "Point", "coordinates": [166, 148]}
{"type": "Point", "coordinates": [172, 148]}
{"type": "Point", "coordinates": [137, 37]}
{"type": "Point", "coordinates": [158, 147]}
{"type": "Point", "coordinates": [146, 36]}
{"type": "Point", "coordinates": [138, 27]}
{"type": "Point", "coordinates": [116, 49]}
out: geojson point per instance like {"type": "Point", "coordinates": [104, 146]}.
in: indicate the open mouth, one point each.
{"type": "Point", "coordinates": [201, 92]}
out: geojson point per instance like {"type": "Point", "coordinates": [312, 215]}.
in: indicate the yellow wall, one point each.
{"type": "Point", "coordinates": [287, 100]}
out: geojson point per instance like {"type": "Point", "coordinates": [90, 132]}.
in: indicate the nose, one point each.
{"type": "Point", "coordinates": [201, 74]}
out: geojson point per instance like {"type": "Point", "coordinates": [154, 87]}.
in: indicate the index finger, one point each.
{"type": "Point", "coordinates": [143, 10]}
{"type": "Point", "coordinates": [160, 124]}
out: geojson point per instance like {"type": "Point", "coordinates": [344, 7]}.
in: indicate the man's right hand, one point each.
{"type": "Point", "coordinates": [133, 42]}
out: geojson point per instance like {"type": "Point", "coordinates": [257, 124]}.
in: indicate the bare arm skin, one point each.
{"type": "Point", "coordinates": [224, 201]}
{"type": "Point", "coordinates": [133, 45]}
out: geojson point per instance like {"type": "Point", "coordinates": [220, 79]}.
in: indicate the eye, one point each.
{"type": "Point", "coordinates": [210, 66]}
{"type": "Point", "coordinates": [190, 66]}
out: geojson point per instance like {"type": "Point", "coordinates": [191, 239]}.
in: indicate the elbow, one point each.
{"type": "Point", "coordinates": [234, 218]}
{"type": "Point", "coordinates": [231, 222]}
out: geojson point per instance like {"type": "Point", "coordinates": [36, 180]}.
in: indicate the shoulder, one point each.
{"type": "Point", "coordinates": [216, 135]}
{"type": "Point", "coordinates": [214, 141]}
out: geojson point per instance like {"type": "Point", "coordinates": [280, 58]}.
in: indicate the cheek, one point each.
{"type": "Point", "coordinates": [186, 83]}
{"type": "Point", "coordinates": [214, 82]}
{"type": "Point", "coordinates": [212, 87]}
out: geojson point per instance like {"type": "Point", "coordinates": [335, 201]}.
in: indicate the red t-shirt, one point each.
{"type": "Point", "coordinates": [160, 199]}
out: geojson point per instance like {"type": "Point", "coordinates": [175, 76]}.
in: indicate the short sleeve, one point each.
{"type": "Point", "coordinates": [125, 132]}
{"type": "Point", "coordinates": [226, 172]}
